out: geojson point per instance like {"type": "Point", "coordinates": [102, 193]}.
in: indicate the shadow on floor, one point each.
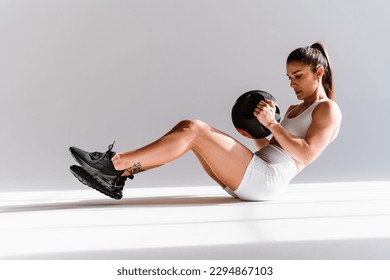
{"type": "Point", "coordinates": [341, 249]}
{"type": "Point", "coordinates": [162, 201]}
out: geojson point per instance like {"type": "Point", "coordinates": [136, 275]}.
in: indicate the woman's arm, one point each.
{"type": "Point", "coordinates": [261, 143]}
{"type": "Point", "coordinates": [326, 119]}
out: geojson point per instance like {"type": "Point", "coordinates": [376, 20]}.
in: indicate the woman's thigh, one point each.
{"type": "Point", "coordinates": [227, 157]}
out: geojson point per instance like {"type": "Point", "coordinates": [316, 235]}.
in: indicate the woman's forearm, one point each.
{"type": "Point", "coordinates": [297, 147]}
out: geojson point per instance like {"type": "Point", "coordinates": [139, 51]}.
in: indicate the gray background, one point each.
{"type": "Point", "coordinates": [89, 72]}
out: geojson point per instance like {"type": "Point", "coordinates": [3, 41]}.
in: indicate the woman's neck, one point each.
{"type": "Point", "coordinates": [317, 95]}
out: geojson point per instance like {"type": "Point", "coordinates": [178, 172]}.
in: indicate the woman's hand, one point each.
{"type": "Point", "coordinates": [265, 113]}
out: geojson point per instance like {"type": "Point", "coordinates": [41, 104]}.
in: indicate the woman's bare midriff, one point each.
{"type": "Point", "coordinates": [299, 165]}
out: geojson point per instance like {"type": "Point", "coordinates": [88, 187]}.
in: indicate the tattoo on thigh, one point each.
{"type": "Point", "coordinates": [136, 168]}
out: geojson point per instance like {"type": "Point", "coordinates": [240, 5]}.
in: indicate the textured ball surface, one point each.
{"type": "Point", "coordinates": [242, 114]}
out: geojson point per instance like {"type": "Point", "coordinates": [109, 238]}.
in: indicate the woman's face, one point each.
{"type": "Point", "coordinates": [302, 80]}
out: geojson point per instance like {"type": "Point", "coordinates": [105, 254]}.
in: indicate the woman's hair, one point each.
{"type": "Point", "coordinates": [314, 56]}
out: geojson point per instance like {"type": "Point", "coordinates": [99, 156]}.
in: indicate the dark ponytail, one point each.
{"type": "Point", "coordinates": [313, 56]}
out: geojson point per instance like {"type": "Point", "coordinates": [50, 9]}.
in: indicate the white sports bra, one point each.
{"type": "Point", "coordinates": [299, 125]}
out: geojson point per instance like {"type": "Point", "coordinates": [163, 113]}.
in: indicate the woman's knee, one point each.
{"type": "Point", "coordinates": [197, 126]}
{"type": "Point", "coordinates": [193, 127]}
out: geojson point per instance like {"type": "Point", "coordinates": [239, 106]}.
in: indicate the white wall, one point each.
{"type": "Point", "coordinates": [87, 72]}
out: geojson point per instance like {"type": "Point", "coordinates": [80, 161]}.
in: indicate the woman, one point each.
{"type": "Point", "coordinates": [298, 140]}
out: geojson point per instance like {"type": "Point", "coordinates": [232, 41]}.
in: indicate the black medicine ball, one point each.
{"type": "Point", "coordinates": [243, 118]}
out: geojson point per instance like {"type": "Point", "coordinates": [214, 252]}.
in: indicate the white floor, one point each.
{"type": "Point", "coordinates": [314, 221]}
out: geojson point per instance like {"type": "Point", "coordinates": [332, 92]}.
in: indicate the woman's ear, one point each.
{"type": "Point", "coordinates": [319, 71]}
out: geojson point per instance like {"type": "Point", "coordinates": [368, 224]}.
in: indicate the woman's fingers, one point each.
{"type": "Point", "coordinates": [261, 106]}
{"type": "Point", "coordinates": [264, 110]}
{"type": "Point", "coordinates": [270, 103]}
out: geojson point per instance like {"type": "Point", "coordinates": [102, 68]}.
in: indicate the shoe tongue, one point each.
{"type": "Point", "coordinates": [111, 154]}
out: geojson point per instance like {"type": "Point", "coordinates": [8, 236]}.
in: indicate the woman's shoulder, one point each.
{"type": "Point", "coordinates": [329, 104]}
{"type": "Point", "coordinates": [328, 107]}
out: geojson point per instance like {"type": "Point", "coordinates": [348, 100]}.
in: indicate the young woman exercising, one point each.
{"type": "Point", "coordinates": [302, 135]}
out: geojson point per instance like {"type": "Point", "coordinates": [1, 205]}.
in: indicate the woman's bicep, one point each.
{"type": "Point", "coordinates": [325, 122]}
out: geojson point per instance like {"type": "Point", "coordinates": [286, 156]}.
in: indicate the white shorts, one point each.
{"type": "Point", "coordinates": [266, 175]}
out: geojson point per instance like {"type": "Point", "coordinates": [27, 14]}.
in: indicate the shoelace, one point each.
{"type": "Point", "coordinates": [96, 155]}
{"type": "Point", "coordinates": [110, 147]}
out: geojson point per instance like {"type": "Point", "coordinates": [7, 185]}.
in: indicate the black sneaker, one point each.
{"type": "Point", "coordinates": [99, 166]}
{"type": "Point", "coordinates": [85, 178]}
{"type": "Point", "coordinates": [121, 182]}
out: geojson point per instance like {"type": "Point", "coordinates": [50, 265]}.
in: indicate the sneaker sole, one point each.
{"type": "Point", "coordinates": [95, 172]}
{"type": "Point", "coordinates": [91, 182]}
